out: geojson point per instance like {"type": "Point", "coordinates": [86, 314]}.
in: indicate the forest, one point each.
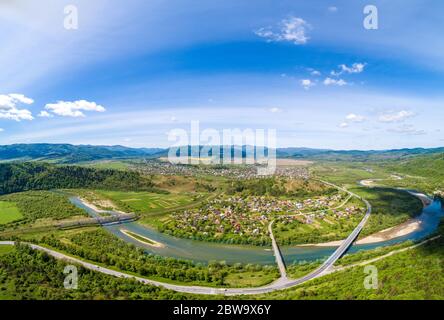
{"type": "Point", "coordinates": [27, 274]}
{"type": "Point", "coordinates": [17, 177]}
{"type": "Point", "coordinates": [104, 248]}
{"type": "Point", "coordinates": [35, 205]}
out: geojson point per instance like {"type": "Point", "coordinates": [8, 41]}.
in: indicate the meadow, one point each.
{"type": "Point", "coordinates": [31, 206]}
{"type": "Point", "coordinates": [9, 212]}
{"type": "Point", "coordinates": [146, 202]}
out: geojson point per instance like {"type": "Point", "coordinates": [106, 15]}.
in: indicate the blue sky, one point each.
{"type": "Point", "coordinates": [309, 69]}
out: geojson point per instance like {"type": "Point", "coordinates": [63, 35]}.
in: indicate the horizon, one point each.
{"type": "Point", "coordinates": [311, 71]}
{"type": "Point", "coordinates": [233, 145]}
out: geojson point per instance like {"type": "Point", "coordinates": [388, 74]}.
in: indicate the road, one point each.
{"type": "Point", "coordinates": [277, 252]}
{"type": "Point", "coordinates": [282, 283]}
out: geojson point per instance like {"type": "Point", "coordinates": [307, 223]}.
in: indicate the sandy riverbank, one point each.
{"type": "Point", "coordinates": [97, 209]}
{"type": "Point", "coordinates": [148, 241]}
{"type": "Point", "coordinates": [384, 235]}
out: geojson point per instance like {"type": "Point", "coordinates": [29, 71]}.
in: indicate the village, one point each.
{"type": "Point", "coordinates": [239, 219]}
{"type": "Point", "coordinates": [244, 172]}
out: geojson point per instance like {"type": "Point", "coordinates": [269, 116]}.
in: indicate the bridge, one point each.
{"type": "Point", "coordinates": [282, 283]}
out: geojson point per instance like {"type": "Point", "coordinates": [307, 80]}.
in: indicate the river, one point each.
{"type": "Point", "coordinates": [199, 251]}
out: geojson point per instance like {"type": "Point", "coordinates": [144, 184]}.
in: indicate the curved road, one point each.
{"type": "Point", "coordinates": [282, 283]}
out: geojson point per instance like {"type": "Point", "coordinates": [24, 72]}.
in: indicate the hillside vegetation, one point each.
{"type": "Point", "coordinates": [26, 274]}
{"type": "Point", "coordinates": [413, 274]}
{"type": "Point", "coordinates": [67, 153]}
{"type": "Point", "coordinates": [17, 177]}
{"type": "Point", "coordinates": [424, 173]}
{"type": "Point", "coordinates": [35, 205]}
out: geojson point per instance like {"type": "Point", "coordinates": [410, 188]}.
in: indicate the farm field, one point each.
{"type": "Point", "coordinates": [9, 212]}
{"type": "Point", "coordinates": [146, 202]}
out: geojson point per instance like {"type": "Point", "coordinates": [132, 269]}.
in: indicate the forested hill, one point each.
{"type": "Point", "coordinates": [16, 177]}
{"type": "Point", "coordinates": [70, 154]}
{"type": "Point", "coordinates": [67, 153]}
{"type": "Point", "coordinates": [357, 155]}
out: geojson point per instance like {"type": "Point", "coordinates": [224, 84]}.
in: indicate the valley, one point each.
{"type": "Point", "coordinates": [199, 226]}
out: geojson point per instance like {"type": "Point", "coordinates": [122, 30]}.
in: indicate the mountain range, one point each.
{"type": "Point", "coordinates": [68, 153]}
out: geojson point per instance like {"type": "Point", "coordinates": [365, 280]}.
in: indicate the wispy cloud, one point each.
{"type": "Point", "coordinates": [396, 116]}
{"type": "Point", "coordinates": [334, 82]}
{"type": "Point", "coordinates": [351, 118]}
{"type": "Point", "coordinates": [293, 30]}
{"type": "Point", "coordinates": [9, 107]}
{"type": "Point", "coordinates": [354, 118]}
{"type": "Point", "coordinates": [407, 129]}
{"type": "Point", "coordinates": [73, 108]}
{"type": "Point", "coordinates": [307, 84]}
{"type": "Point", "coordinates": [275, 110]}
{"type": "Point", "coordinates": [354, 68]}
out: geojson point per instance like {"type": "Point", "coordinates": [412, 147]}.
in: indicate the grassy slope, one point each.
{"type": "Point", "coordinates": [413, 274]}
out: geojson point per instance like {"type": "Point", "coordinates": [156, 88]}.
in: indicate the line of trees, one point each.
{"type": "Point", "coordinates": [103, 247]}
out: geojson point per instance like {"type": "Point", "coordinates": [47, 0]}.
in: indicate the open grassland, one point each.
{"type": "Point", "coordinates": [114, 165]}
{"type": "Point", "coordinates": [146, 202]}
{"type": "Point", "coordinates": [9, 212]}
{"type": "Point", "coordinates": [348, 174]}
{"type": "Point", "coordinates": [34, 205]}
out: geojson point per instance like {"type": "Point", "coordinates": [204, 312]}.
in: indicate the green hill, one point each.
{"type": "Point", "coordinates": [17, 177]}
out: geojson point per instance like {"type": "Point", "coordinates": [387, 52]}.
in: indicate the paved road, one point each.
{"type": "Point", "coordinates": [282, 283]}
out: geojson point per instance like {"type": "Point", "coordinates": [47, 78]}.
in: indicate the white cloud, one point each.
{"type": "Point", "coordinates": [330, 81]}
{"type": "Point", "coordinates": [354, 68]}
{"type": "Point", "coordinates": [307, 83]}
{"type": "Point", "coordinates": [333, 9]}
{"type": "Point", "coordinates": [355, 118]}
{"type": "Point", "coordinates": [396, 116]}
{"type": "Point", "coordinates": [1, 129]}
{"type": "Point", "coordinates": [315, 73]}
{"type": "Point", "coordinates": [275, 110]}
{"type": "Point", "coordinates": [45, 114]}
{"type": "Point", "coordinates": [292, 29]}
{"type": "Point", "coordinates": [351, 118]}
{"type": "Point", "coordinates": [407, 129]}
{"type": "Point", "coordinates": [73, 109]}
{"type": "Point", "coordinates": [9, 107]}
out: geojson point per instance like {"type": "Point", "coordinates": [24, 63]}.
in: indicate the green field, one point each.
{"type": "Point", "coordinates": [115, 165]}
{"type": "Point", "coordinates": [9, 212]}
{"type": "Point", "coordinates": [6, 249]}
{"type": "Point", "coordinates": [146, 202]}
